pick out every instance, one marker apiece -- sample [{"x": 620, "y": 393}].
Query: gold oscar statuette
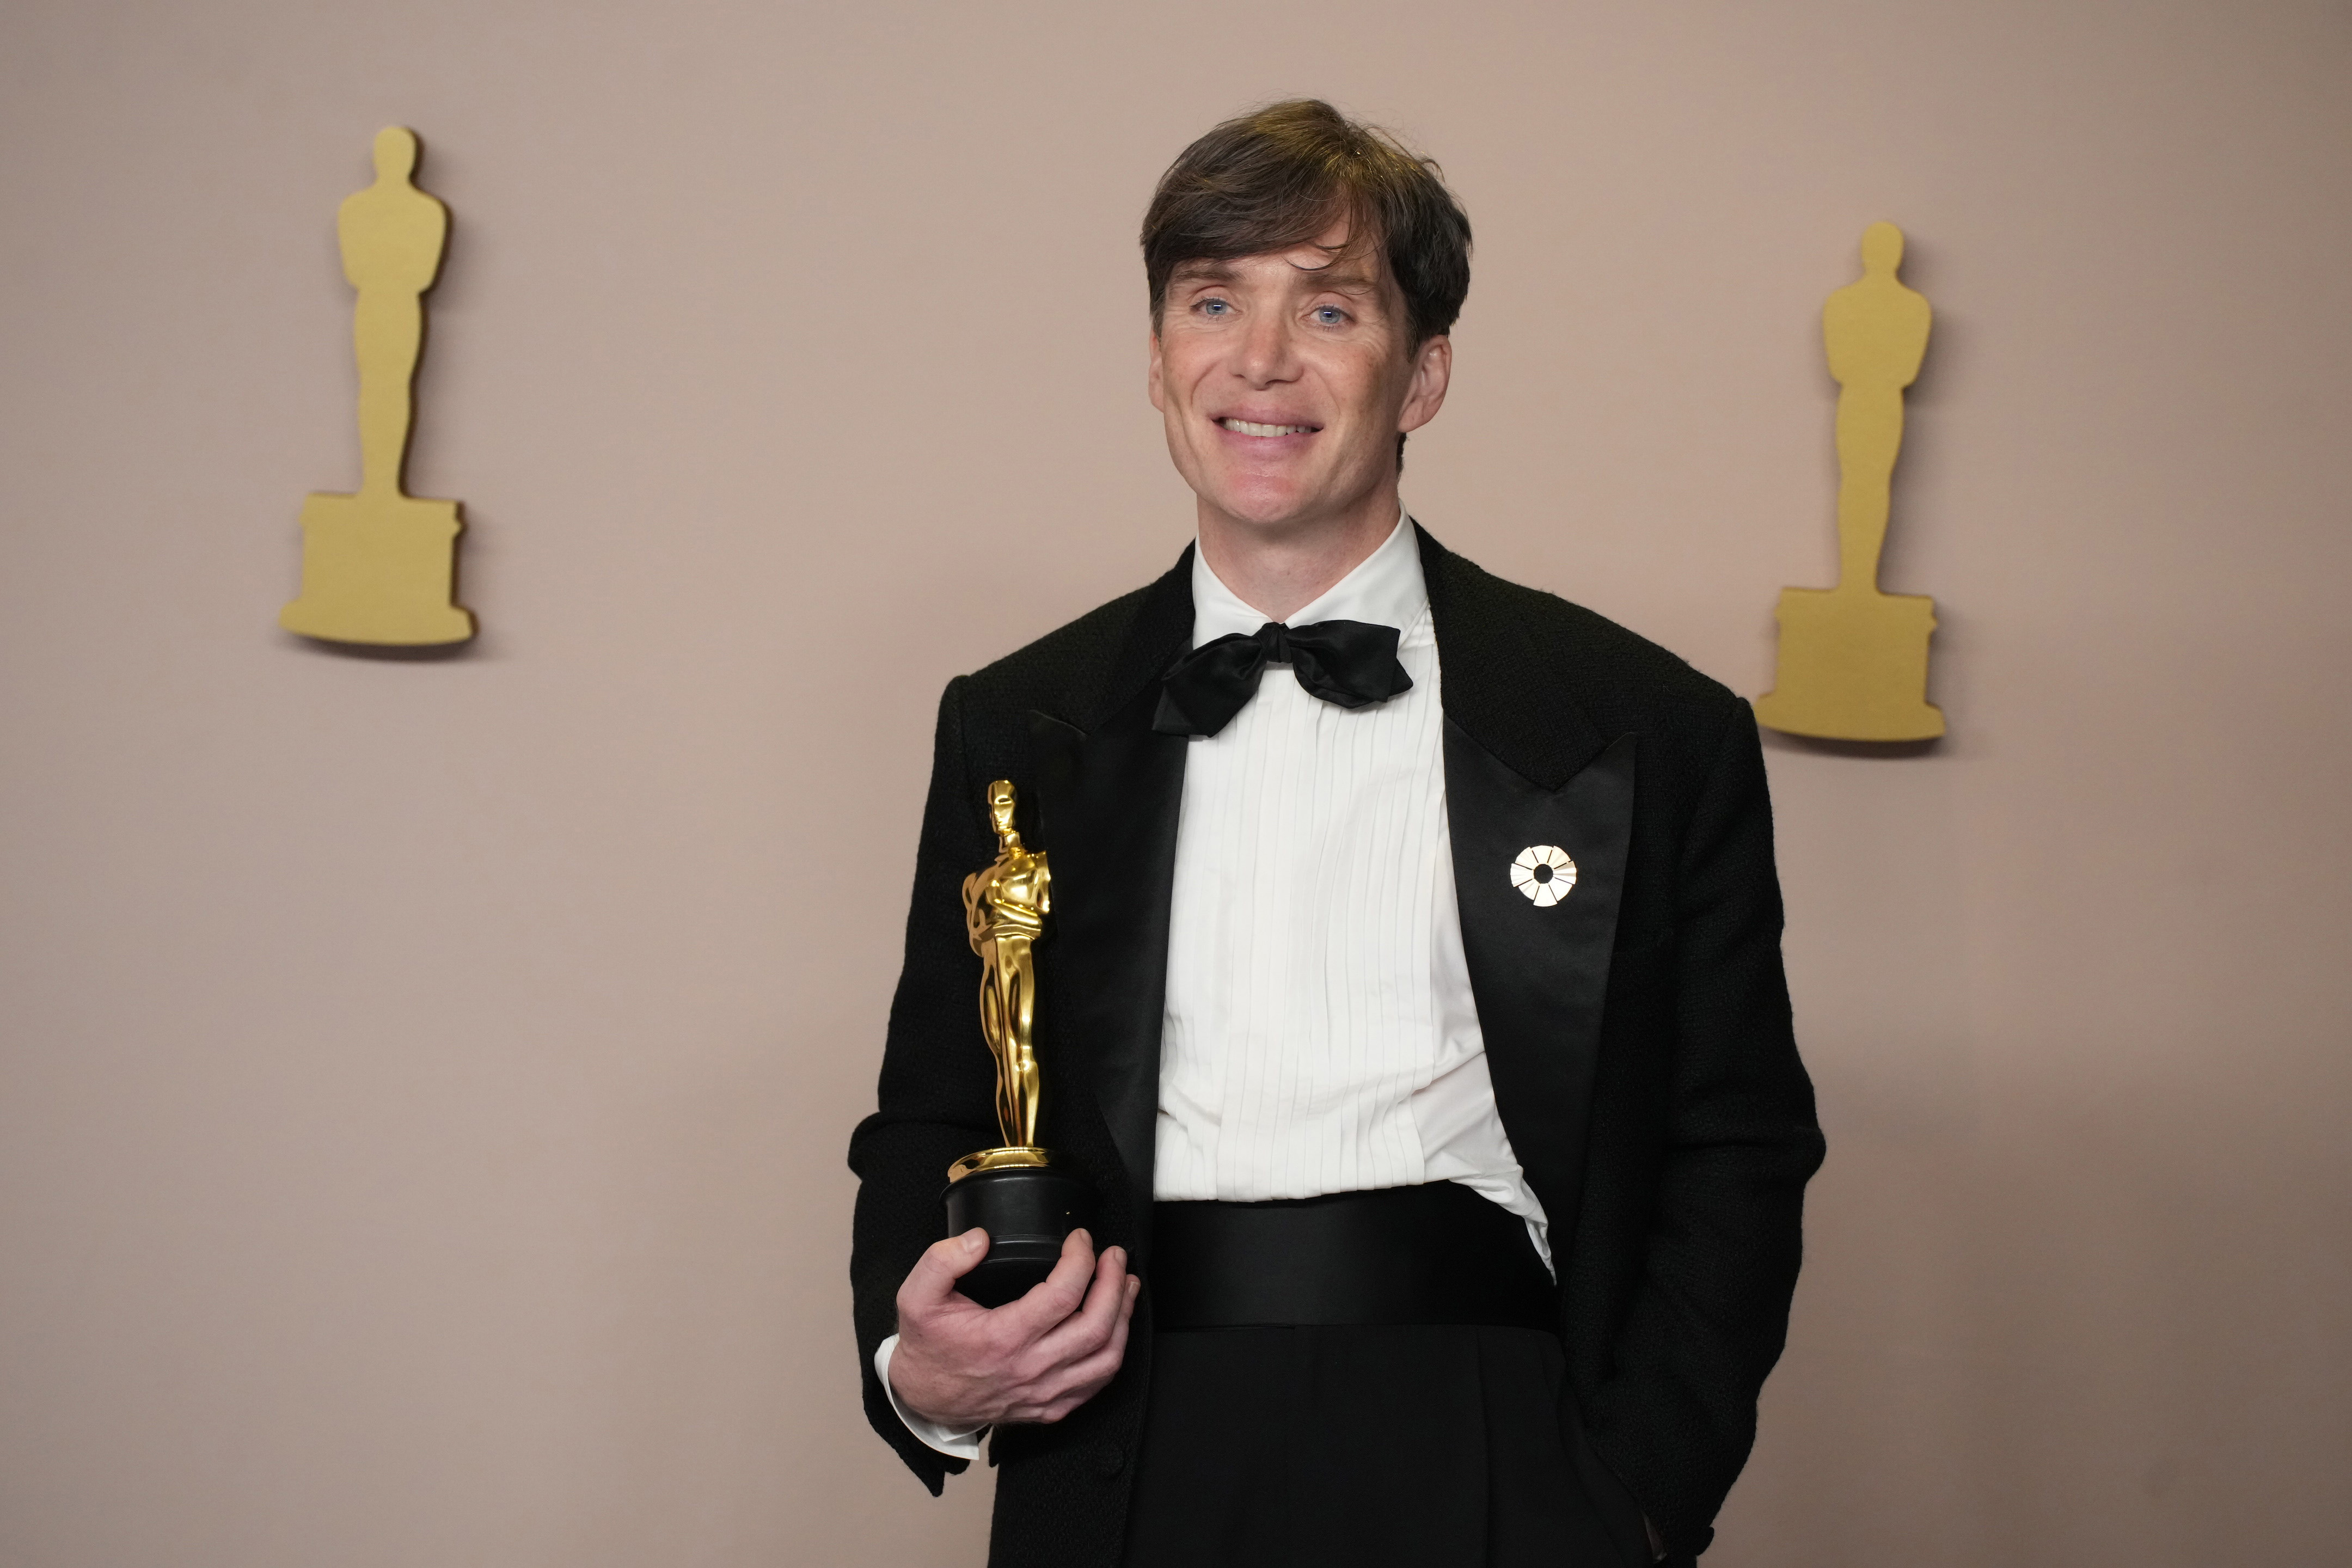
[
  {"x": 1853, "y": 658},
  {"x": 380, "y": 566},
  {"x": 1016, "y": 1191}
]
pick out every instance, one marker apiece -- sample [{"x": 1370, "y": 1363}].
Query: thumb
[{"x": 934, "y": 1276}]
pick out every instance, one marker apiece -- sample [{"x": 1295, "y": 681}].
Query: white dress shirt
[{"x": 1319, "y": 1034}]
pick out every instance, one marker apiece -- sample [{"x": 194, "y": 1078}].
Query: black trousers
[{"x": 1371, "y": 1447}]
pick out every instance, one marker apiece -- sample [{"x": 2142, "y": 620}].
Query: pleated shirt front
[{"x": 1320, "y": 1035}]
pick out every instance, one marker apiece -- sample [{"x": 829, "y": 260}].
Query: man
[{"x": 1422, "y": 1029}]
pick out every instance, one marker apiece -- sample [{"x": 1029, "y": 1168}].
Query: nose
[{"x": 1266, "y": 356}]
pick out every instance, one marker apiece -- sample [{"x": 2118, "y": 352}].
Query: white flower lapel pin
[{"x": 1544, "y": 873}]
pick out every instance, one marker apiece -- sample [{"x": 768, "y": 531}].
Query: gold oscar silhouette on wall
[
  {"x": 380, "y": 566},
  {"x": 1854, "y": 661}
]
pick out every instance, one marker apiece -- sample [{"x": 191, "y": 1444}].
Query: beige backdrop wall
[{"x": 424, "y": 1085}]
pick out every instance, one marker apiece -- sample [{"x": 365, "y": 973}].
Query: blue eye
[
  {"x": 1329, "y": 315},
  {"x": 1213, "y": 307}
]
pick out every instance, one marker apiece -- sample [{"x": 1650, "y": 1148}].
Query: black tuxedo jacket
[{"x": 1637, "y": 1031}]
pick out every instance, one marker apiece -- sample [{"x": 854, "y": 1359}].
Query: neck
[{"x": 1279, "y": 569}]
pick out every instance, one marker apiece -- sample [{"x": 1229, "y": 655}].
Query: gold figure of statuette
[
  {"x": 1006, "y": 904},
  {"x": 1853, "y": 661}
]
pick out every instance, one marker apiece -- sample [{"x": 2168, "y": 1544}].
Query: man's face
[{"x": 1285, "y": 380}]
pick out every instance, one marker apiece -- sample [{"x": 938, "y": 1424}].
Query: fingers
[
  {"x": 933, "y": 1279},
  {"x": 1089, "y": 1329},
  {"x": 1071, "y": 1366},
  {"x": 1052, "y": 1398},
  {"x": 1036, "y": 1359},
  {"x": 1058, "y": 1295},
  {"x": 1097, "y": 1367}
]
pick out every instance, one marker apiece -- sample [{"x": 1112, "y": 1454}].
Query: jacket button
[{"x": 1109, "y": 1460}]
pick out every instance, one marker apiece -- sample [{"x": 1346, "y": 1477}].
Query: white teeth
[{"x": 1244, "y": 427}]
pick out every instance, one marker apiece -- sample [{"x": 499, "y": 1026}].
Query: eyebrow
[
  {"x": 1203, "y": 272},
  {"x": 1344, "y": 278}
]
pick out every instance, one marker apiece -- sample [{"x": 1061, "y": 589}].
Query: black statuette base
[{"x": 1027, "y": 1211}]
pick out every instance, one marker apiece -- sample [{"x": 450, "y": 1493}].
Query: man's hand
[{"x": 1036, "y": 1359}]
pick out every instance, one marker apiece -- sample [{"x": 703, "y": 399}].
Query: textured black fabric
[
  {"x": 1369, "y": 1446},
  {"x": 1680, "y": 1249},
  {"x": 1539, "y": 975},
  {"x": 1437, "y": 1253},
  {"x": 1351, "y": 663}
]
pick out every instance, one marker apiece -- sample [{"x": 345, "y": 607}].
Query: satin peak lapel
[
  {"x": 1108, "y": 790},
  {"x": 1539, "y": 958}
]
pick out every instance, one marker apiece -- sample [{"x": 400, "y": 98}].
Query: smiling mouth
[{"x": 1246, "y": 427}]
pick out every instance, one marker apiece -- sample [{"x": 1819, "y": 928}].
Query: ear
[
  {"x": 1152, "y": 375},
  {"x": 1432, "y": 371}
]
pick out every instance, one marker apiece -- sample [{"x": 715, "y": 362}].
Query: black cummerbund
[{"x": 1431, "y": 1254}]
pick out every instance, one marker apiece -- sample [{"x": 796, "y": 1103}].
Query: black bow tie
[{"x": 1351, "y": 663}]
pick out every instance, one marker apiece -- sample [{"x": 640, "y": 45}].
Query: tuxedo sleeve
[
  {"x": 936, "y": 1096},
  {"x": 1677, "y": 1416}
]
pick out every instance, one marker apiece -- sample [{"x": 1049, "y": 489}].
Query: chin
[{"x": 1266, "y": 504}]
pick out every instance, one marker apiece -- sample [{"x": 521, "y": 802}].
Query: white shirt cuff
[{"x": 955, "y": 1445}]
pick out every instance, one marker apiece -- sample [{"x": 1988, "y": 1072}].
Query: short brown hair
[{"x": 1280, "y": 176}]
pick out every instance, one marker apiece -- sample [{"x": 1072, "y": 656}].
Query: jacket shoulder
[
  {"x": 1061, "y": 672},
  {"x": 1619, "y": 679}
]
